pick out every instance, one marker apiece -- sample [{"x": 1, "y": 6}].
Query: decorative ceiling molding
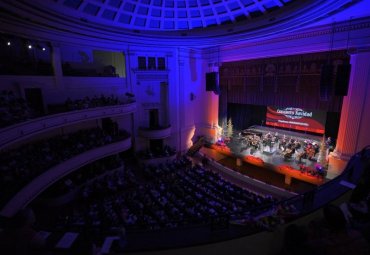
[{"x": 28, "y": 17}]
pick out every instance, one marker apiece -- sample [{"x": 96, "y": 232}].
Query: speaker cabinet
[
  {"x": 212, "y": 82},
  {"x": 342, "y": 80},
  {"x": 326, "y": 81}
]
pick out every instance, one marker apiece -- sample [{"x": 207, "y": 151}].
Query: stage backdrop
[
  {"x": 246, "y": 115},
  {"x": 296, "y": 118}
]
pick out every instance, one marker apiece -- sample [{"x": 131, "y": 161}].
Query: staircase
[{"x": 196, "y": 147}]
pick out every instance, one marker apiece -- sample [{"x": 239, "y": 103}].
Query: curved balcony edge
[
  {"x": 43, "y": 181},
  {"x": 155, "y": 133},
  {"x": 157, "y": 161},
  {"x": 20, "y": 131}
]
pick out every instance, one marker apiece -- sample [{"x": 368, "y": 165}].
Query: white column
[
  {"x": 355, "y": 116},
  {"x": 57, "y": 65}
]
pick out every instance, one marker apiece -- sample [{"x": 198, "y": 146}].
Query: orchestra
[
  {"x": 287, "y": 146},
  {"x": 290, "y": 148}
]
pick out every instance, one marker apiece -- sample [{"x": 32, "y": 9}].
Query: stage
[{"x": 267, "y": 148}]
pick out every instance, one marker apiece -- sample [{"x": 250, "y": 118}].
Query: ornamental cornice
[{"x": 310, "y": 33}]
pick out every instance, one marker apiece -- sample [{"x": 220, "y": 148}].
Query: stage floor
[
  {"x": 335, "y": 166},
  {"x": 272, "y": 158}
]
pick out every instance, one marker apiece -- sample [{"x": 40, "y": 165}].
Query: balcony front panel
[{"x": 152, "y": 133}]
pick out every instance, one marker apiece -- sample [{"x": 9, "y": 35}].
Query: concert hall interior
[{"x": 184, "y": 127}]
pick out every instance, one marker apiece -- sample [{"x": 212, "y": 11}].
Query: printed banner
[{"x": 296, "y": 118}]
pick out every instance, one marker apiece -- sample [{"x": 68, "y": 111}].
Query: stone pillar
[{"x": 355, "y": 115}]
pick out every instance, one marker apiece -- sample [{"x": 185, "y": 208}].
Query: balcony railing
[{"x": 155, "y": 133}]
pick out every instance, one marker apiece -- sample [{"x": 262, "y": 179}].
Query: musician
[
  {"x": 288, "y": 153},
  {"x": 310, "y": 150}
]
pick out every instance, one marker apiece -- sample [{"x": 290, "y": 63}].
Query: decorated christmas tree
[
  {"x": 224, "y": 128},
  {"x": 229, "y": 128},
  {"x": 321, "y": 159}
]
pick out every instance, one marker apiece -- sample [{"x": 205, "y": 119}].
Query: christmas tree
[
  {"x": 223, "y": 128},
  {"x": 230, "y": 128},
  {"x": 321, "y": 159}
]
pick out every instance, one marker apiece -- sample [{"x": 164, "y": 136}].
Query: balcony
[
  {"x": 43, "y": 181},
  {"x": 20, "y": 131},
  {"x": 155, "y": 133}
]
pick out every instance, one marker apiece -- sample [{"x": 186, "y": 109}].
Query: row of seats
[
  {"x": 81, "y": 177},
  {"x": 14, "y": 109},
  {"x": 20, "y": 165},
  {"x": 174, "y": 195},
  {"x": 166, "y": 151}
]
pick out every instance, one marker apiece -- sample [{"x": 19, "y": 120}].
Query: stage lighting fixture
[
  {"x": 29, "y": 46},
  {"x": 43, "y": 49},
  {"x": 8, "y": 43}
]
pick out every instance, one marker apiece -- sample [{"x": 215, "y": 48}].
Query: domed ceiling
[
  {"x": 165, "y": 14},
  {"x": 174, "y": 19}
]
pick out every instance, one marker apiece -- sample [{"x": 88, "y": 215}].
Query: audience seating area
[
  {"x": 114, "y": 197},
  {"x": 106, "y": 168},
  {"x": 166, "y": 151},
  {"x": 14, "y": 109},
  {"x": 20, "y": 165},
  {"x": 87, "y": 102},
  {"x": 168, "y": 196}
]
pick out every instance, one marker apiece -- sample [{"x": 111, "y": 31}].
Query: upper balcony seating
[
  {"x": 15, "y": 110},
  {"x": 20, "y": 165}
]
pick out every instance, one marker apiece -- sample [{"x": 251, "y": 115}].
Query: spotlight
[
  {"x": 29, "y": 46},
  {"x": 8, "y": 43},
  {"x": 43, "y": 49}
]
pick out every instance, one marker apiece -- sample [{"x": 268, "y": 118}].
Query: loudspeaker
[
  {"x": 342, "y": 80},
  {"x": 212, "y": 82},
  {"x": 326, "y": 81}
]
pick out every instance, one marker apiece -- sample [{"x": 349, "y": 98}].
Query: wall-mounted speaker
[
  {"x": 326, "y": 81},
  {"x": 212, "y": 82},
  {"x": 342, "y": 80}
]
